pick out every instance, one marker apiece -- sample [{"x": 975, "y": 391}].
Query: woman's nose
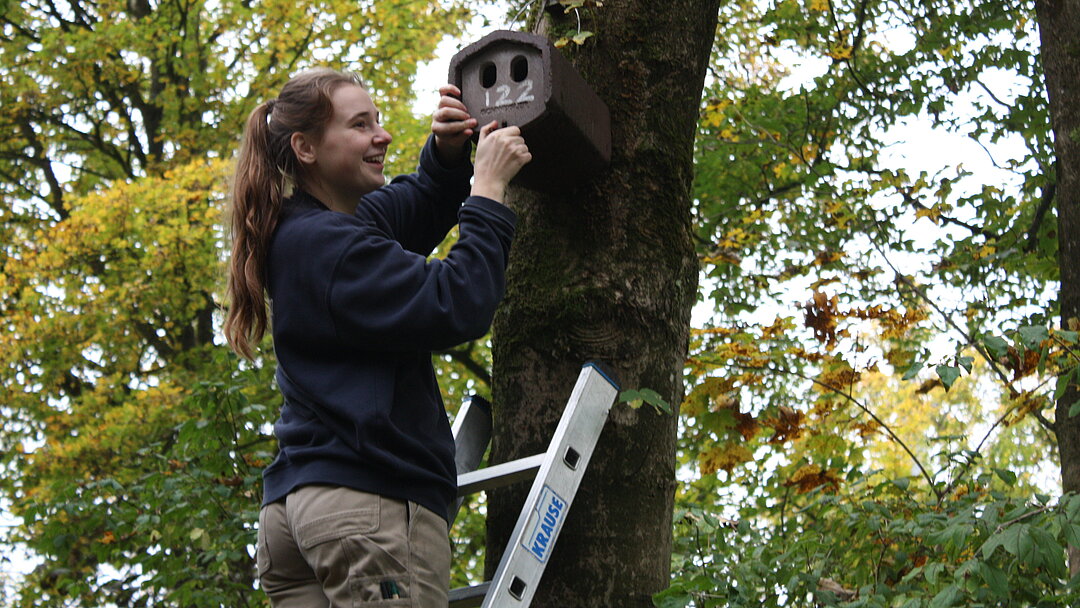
[{"x": 384, "y": 135}]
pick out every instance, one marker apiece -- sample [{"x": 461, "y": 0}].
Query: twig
[
  {"x": 1012, "y": 521},
  {"x": 869, "y": 413}
]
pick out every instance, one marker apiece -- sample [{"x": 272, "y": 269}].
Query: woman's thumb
[{"x": 488, "y": 128}]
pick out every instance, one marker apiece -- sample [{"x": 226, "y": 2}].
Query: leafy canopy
[
  {"x": 128, "y": 451},
  {"x": 866, "y": 423}
]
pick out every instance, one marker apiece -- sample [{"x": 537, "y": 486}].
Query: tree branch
[
  {"x": 866, "y": 410},
  {"x": 463, "y": 357},
  {"x": 1044, "y": 205},
  {"x": 914, "y": 202},
  {"x": 40, "y": 158}
]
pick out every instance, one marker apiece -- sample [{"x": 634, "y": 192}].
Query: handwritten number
[
  {"x": 526, "y": 91},
  {"x": 504, "y": 96},
  {"x": 524, "y": 94}
]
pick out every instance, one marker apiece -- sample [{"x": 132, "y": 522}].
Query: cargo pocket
[
  {"x": 262, "y": 550},
  {"x": 382, "y": 590}
]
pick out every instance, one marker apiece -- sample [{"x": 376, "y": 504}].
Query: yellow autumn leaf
[
  {"x": 840, "y": 51},
  {"x": 723, "y": 457},
  {"x": 934, "y": 213}
]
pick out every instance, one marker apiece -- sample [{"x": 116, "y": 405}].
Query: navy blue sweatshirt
[{"x": 356, "y": 309}]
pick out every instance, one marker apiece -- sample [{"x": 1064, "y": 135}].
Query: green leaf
[
  {"x": 946, "y": 597},
  {"x": 1006, "y": 475},
  {"x": 1010, "y": 539},
  {"x": 672, "y": 598},
  {"x": 912, "y": 371},
  {"x": 948, "y": 375},
  {"x": 965, "y": 362},
  {"x": 998, "y": 347},
  {"x": 932, "y": 571},
  {"x": 999, "y": 539},
  {"x": 1072, "y": 534},
  {"x": 995, "y": 580},
  {"x": 1026, "y": 549},
  {"x": 636, "y": 398},
  {"x": 1048, "y": 553},
  {"x": 1033, "y": 335},
  {"x": 1063, "y": 382},
  {"x": 1068, "y": 336}
]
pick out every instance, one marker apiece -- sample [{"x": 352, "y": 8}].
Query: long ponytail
[{"x": 265, "y": 170}]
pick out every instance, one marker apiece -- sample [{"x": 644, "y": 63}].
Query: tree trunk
[
  {"x": 1059, "y": 26},
  {"x": 608, "y": 272}
]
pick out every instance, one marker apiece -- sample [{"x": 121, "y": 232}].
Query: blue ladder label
[{"x": 549, "y": 514}]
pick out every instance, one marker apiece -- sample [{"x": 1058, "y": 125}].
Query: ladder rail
[
  {"x": 553, "y": 490},
  {"x": 556, "y": 473}
]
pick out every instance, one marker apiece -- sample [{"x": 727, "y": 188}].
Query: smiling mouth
[{"x": 375, "y": 160}]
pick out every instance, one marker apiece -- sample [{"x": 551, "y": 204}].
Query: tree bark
[
  {"x": 608, "y": 272},
  {"x": 1059, "y": 27}
]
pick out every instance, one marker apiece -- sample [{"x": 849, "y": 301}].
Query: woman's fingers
[
  {"x": 451, "y": 120},
  {"x": 449, "y": 90}
]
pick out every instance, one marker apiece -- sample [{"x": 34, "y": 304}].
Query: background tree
[
  {"x": 607, "y": 272},
  {"x": 831, "y": 260},
  {"x": 132, "y": 440}
]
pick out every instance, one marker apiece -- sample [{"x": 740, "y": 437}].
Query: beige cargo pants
[{"x": 326, "y": 546}]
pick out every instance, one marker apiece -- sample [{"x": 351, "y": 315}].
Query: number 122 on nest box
[{"x": 517, "y": 78}]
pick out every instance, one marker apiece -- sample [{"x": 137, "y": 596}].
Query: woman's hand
[
  {"x": 500, "y": 154},
  {"x": 452, "y": 126}
]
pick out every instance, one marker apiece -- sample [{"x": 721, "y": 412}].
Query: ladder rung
[
  {"x": 499, "y": 475},
  {"x": 468, "y": 597}
]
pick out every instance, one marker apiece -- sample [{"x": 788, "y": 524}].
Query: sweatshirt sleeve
[
  {"x": 419, "y": 209},
  {"x": 383, "y": 297}
]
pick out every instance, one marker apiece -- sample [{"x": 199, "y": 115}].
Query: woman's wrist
[
  {"x": 450, "y": 154},
  {"x": 489, "y": 189}
]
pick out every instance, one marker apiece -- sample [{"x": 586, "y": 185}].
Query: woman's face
[{"x": 348, "y": 158}]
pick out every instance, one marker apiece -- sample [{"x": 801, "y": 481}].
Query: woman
[{"x": 356, "y": 503}]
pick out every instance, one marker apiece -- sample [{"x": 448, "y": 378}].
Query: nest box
[{"x": 521, "y": 79}]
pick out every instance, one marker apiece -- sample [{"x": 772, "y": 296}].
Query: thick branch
[{"x": 41, "y": 159}]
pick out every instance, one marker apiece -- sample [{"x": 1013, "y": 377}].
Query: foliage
[
  {"x": 795, "y": 183},
  {"x": 176, "y": 521},
  {"x": 131, "y": 439},
  {"x": 883, "y": 547},
  {"x": 879, "y": 346}
]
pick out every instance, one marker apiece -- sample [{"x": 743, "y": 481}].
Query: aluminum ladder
[{"x": 556, "y": 477}]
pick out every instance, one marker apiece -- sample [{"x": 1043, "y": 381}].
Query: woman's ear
[{"x": 303, "y": 148}]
